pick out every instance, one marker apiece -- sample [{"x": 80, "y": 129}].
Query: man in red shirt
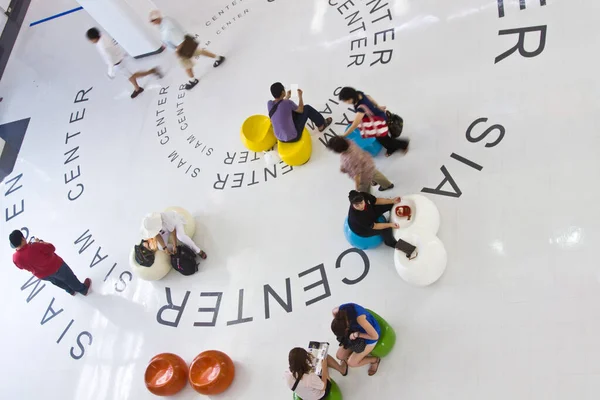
[{"x": 39, "y": 259}]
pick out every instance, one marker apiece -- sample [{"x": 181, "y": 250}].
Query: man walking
[
  {"x": 39, "y": 259},
  {"x": 114, "y": 56},
  {"x": 173, "y": 35}
]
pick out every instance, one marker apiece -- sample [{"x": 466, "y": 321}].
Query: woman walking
[{"x": 365, "y": 107}]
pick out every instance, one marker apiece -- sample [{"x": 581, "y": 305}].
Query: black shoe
[
  {"x": 136, "y": 92},
  {"x": 190, "y": 85},
  {"x": 220, "y": 60},
  {"x": 382, "y": 189}
]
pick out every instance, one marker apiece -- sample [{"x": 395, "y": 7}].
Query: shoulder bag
[{"x": 372, "y": 125}]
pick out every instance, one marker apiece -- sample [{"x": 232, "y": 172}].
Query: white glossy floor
[{"x": 515, "y": 315}]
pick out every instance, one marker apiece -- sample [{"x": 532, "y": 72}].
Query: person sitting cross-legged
[{"x": 289, "y": 118}]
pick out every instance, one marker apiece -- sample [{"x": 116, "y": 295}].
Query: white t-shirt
[
  {"x": 110, "y": 51},
  {"x": 170, "y": 220},
  {"x": 310, "y": 387},
  {"x": 171, "y": 33}
]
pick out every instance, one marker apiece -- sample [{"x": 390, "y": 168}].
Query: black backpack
[
  {"x": 184, "y": 261},
  {"x": 395, "y": 124},
  {"x": 143, "y": 256}
]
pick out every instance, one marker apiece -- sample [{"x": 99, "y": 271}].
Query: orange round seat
[
  {"x": 211, "y": 372},
  {"x": 166, "y": 374}
]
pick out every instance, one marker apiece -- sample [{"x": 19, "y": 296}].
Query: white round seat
[
  {"x": 429, "y": 265},
  {"x": 155, "y": 272},
  {"x": 425, "y": 215}
]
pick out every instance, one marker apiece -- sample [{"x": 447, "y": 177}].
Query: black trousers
[
  {"x": 300, "y": 120},
  {"x": 391, "y": 144},
  {"x": 388, "y": 233}
]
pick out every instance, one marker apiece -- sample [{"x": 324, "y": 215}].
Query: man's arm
[
  {"x": 300, "y": 108},
  {"x": 382, "y": 201},
  {"x": 384, "y": 225},
  {"x": 106, "y": 58}
]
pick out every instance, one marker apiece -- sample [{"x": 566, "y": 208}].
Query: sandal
[
  {"x": 374, "y": 367},
  {"x": 347, "y": 368},
  {"x": 136, "y": 92},
  {"x": 202, "y": 255},
  {"x": 328, "y": 122},
  {"x": 219, "y": 61}
]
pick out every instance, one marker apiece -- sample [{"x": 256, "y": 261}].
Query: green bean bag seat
[
  {"x": 387, "y": 339},
  {"x": 334, "y": 394}
]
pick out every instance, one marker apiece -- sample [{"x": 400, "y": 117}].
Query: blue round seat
[
  {"x": 370, "y": 145},
  {"x": 361, "y": 242}
]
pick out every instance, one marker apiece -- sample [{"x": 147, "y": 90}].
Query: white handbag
[{"x": 272, "y": 157}]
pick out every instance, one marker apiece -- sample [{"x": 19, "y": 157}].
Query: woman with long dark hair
[
  {"x": 357, "y": 331},
  {"x": 362, "y": 103},
  {"x": 304, "y": 382}
]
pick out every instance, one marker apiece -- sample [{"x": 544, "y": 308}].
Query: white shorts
[{"x": 124, "y": 68}]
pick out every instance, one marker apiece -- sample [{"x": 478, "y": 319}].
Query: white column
[
  {"x": 3, "y": 20},
  {"x": 127, "y": 22}
]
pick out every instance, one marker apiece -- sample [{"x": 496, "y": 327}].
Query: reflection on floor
[{"x": 500, "y": 104}]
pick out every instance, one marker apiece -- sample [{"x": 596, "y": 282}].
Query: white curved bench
[{"x": 429, "y": 265}]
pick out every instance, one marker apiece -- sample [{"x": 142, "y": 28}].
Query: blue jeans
[
  {"x": 65, "y": 279},
  {"x": 301, "y": 118}
]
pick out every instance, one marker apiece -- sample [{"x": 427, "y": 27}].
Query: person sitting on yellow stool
[{"x": 288, "y": 119}]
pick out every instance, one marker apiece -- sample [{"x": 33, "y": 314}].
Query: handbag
[
  {"x": 188, "y": 47},
  {"x": 372, "y": 125},
  {"x": 395, "y": 124},
  {"x": 356, "y": 345},
  {"x": 404, "y": 212}
]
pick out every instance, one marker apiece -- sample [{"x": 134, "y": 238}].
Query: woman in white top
[
  {"x": 305, "y": 383},
  {"x": 159, "y": 229}
]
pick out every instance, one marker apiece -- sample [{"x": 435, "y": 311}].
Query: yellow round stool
[
  {"x": 257, "y": 133},
  {"x": 296, "y": 153}
]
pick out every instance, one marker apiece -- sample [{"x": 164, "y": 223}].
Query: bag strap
[
  {"x": 274, "y": 108},
  {"x": 366, "y": 109},
  {"x": 295, "y": 385}
]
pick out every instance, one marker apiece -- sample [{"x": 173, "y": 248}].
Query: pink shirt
[
  {"x": 356, "y": 161},
  {"x": 310, "y": 387}
]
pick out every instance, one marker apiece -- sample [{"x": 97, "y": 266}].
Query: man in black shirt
[{"x": 364, "y": 211}]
